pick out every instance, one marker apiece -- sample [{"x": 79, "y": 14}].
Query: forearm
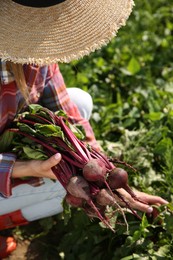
[
  {"x": 21, "y": 169},
  {"x": 36, "y": 168}
]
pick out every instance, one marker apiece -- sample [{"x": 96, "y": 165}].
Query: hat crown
[
  {"x": 33, "y": 31},
  {"x": 38, "y": 3}
]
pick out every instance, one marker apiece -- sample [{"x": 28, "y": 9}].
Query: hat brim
[{"x": 59, "y": 33}]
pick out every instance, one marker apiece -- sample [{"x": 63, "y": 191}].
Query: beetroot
[
  {"x": 95, "y": 170},
  {"x": 73, "y": 201},
  {"x": 79, "y": 188},
  {"x": 89, "y": 177},
  {"x": 103, "y": 198},
  {"x": 118, "y": 178}
]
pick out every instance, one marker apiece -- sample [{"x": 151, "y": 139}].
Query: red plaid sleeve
[{"x": 7, "y": 161}]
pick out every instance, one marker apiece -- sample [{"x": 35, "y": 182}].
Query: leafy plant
[{"x": 131, "y": 82}]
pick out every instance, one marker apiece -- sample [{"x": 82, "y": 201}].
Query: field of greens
[{"x": 131, "y": 82}]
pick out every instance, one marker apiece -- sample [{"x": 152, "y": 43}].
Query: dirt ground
[
  {"x": 27, "y": 250},
  {"x": 31, "y": 246},
  {"x": 21, "y": 253}
]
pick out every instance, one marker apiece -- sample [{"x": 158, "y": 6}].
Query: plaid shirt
[{"x": 46, "y": 87}]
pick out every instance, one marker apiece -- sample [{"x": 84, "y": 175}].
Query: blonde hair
[{"x": 17, "y": 70}]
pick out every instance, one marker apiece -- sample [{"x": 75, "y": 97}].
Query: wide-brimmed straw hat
[{"x": 49, "y": 31}]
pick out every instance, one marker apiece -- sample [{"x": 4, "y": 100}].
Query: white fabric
[
  {"x": 35, "y": 202},
  {"x": 83, "y": 101}
]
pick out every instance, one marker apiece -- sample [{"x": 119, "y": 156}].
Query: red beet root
[
  {"x": 79, "y": 187},
  {"x": 118, "y": 178},
  {"x": 73, "y": 201},
  {"x": 103, "y": 198},
  {"x": 95, "y": 170}
]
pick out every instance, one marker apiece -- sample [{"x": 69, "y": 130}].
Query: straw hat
[{"x": 49, "y": 31}]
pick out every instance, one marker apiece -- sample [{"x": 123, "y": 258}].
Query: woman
[{"x": 34, "y": 36}]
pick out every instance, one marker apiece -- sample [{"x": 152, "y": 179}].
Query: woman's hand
[
  {"x": 36, "y": 168},
  {"x": 147, "y": 198}
]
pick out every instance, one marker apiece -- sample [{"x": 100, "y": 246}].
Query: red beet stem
[
  {"x": 115, "y": 160},
  {"x": 50, "y": 148},
  {"x": 72, "y": 138},
  {"x": 26, "y": 121},
  {"x": 73, "y": 162},
  {"x": 67, "y": 149},
  {"x": 101, "y": 156},
  {"x": 102, "y": 219},
  {"x": 50, "y": 113},
  {"x": 85, "y": 149}
]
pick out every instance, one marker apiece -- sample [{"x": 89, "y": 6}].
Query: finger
[
  {"x": 155, "y": 200},
  {"x": 151, "y": 199},
  {"x": 52, "y": 161},
  {"x": 136, "y": 205}
]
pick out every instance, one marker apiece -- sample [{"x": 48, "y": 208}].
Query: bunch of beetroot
[{"x": 89, "y": 177}]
